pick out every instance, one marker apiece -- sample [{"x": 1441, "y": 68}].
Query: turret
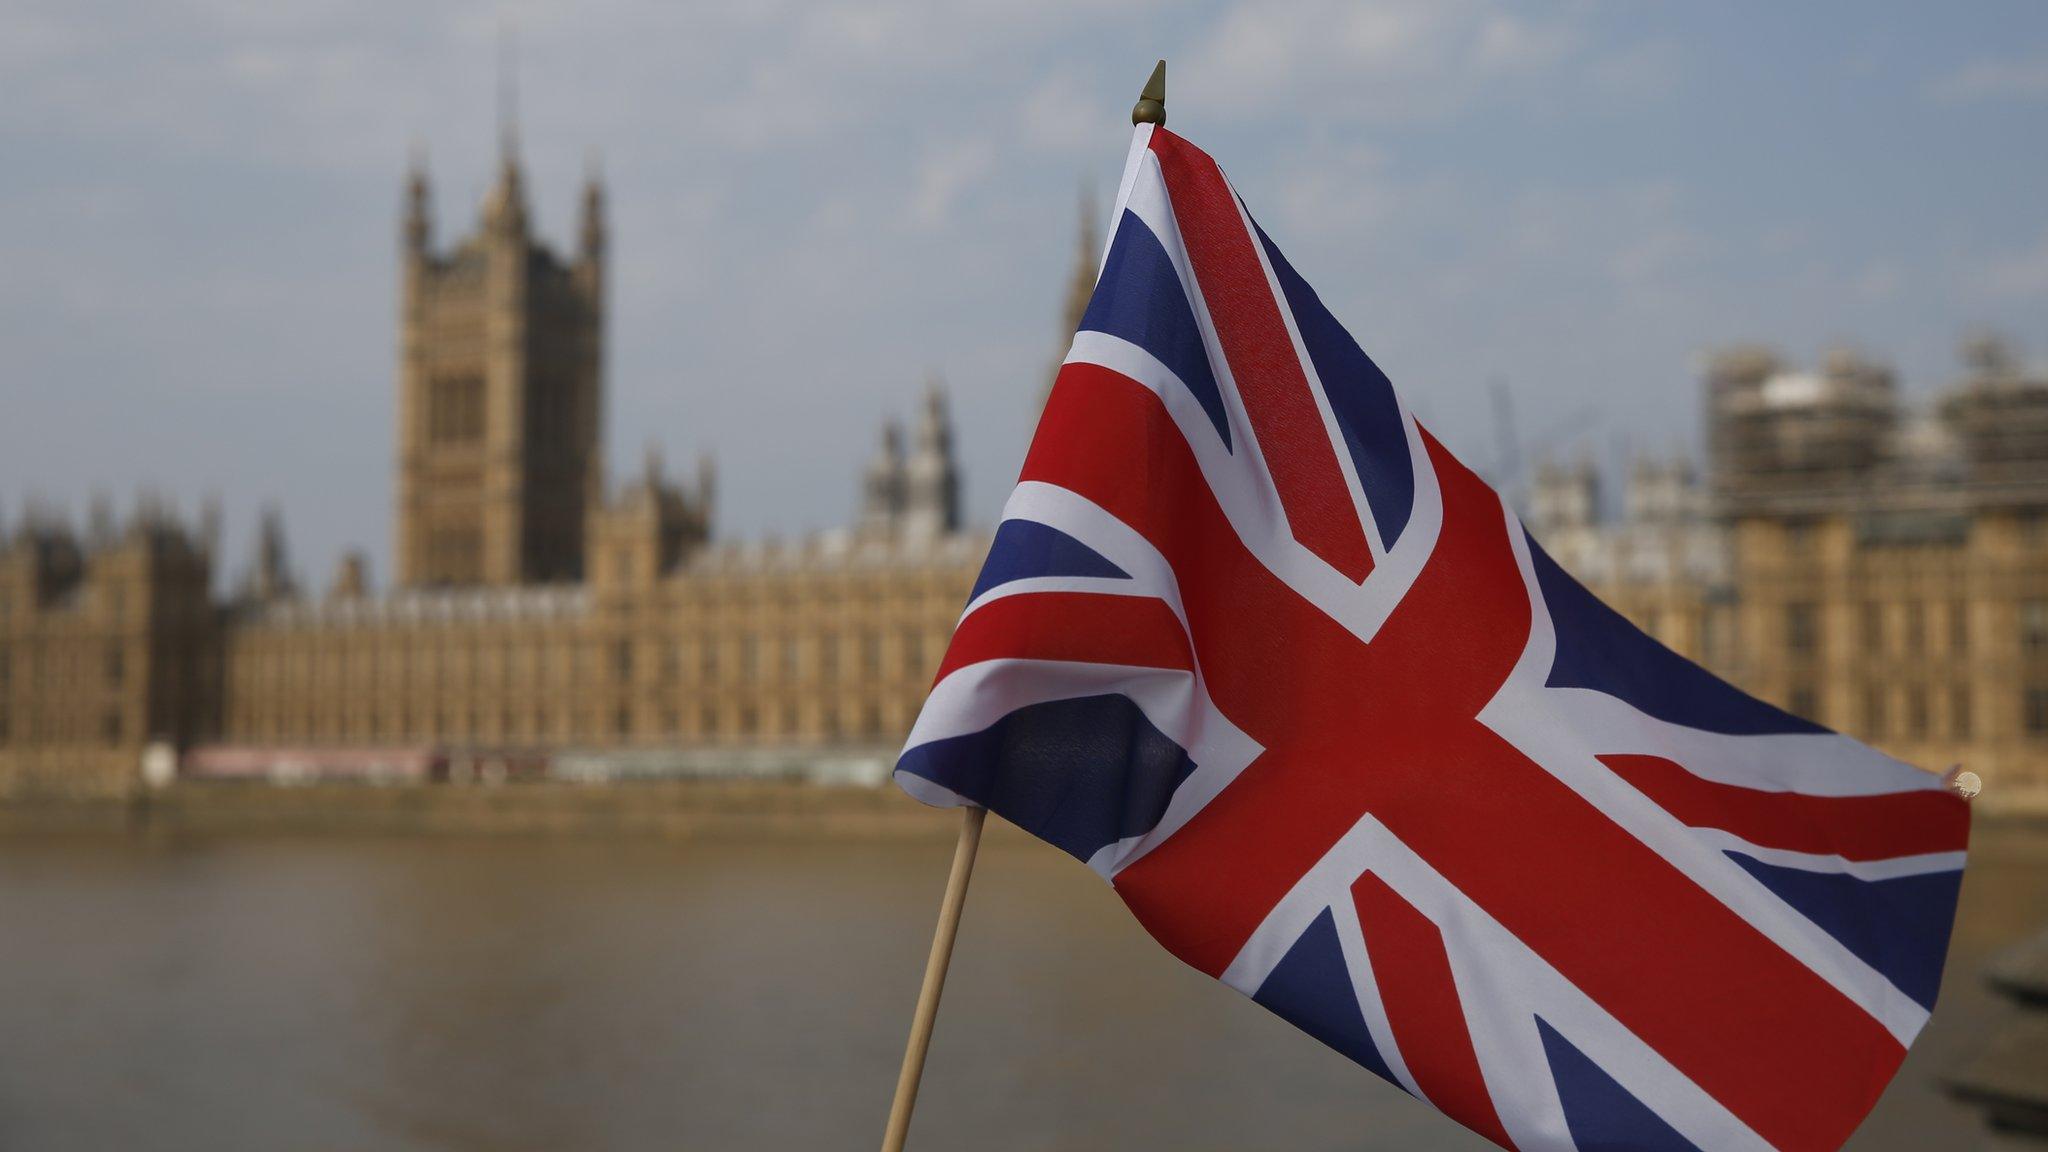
[
  {"x": 419, "y": 221},
  {"x": 931, "y": 481},
  {"x": 270, "y": 576},
  {"x": 351, "y": 576},
  {"x": 649, "y": 528},
  {"x": 1080, "y": 287},
  {"x": 881, "y": 506},
  {"x": 1087, "y": 261},
  {"x": 707, "y": 490},
  {"x": 51, "y": 561},
  {"x": 505, "y": 211},
  {"x": 591, "y": 236}
]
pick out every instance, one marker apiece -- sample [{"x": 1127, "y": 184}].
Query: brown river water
[{"x": 484, "y": 993}]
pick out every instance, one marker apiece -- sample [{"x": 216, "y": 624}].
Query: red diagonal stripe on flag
[
  {"x": 1391, "y": 729},
  {"x": 1413, "y": 973},
  {"x": 1852, "y": 827},
  {"x": 1283, "y": 411}
]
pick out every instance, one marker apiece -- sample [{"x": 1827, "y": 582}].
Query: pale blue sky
[{"x": 815, "y": 207}]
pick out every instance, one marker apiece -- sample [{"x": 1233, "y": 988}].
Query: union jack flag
[{"x": 1251, "y": 643}]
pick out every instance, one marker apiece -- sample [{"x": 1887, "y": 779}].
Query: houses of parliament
[{"x": 1881, "y": 570}]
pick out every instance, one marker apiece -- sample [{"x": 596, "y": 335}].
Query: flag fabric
[{"x": 1261, "y": 652}]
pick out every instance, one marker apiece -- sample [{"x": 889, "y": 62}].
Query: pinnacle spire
[
  {"x": 1087, "y": 262},
  {"x": 418, "y": 210},
  {"x": 931, "y": 478},
  {"x": 508, "y": 95},
  {"x": 508, "y": 199},
  {"x": 1080, "y": 285},
  {"x": 592, "y": 235},
  {"x": 1091, "y": 229}
]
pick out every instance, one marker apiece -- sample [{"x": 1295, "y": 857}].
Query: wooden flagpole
[
  {"x": 1150, "y": 109},
  {"x": 934, "y": 978}
]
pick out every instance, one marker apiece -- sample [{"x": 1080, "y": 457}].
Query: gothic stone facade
[
  {"x": 105, "y": 642},
  {"x": 499, "y": 396},
  {"x": 532, "y": 609},
  {"x": 1883, "y": 572},
  {"x": 827, "y": 643}
]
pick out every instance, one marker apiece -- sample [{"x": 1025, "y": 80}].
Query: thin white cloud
[
  {"x": 1613, "y": 225},
  {"x": 1063, "y": 114},
  {"x": 1656, "y": 256},
  {"x": 1350, "y": 197},
  {"x": 1637, "y": 73},
  {"x": 944, "y": 175},
  {"x": 1391, "y": 61},
  {"x": 1509, "y": 43},
  {"x": 1992, "y": 79}
]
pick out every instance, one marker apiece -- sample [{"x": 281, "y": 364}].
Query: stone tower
[
  {"x": 1087, "y": 256},
  {"x": 500, "y": 393},
  {"x": 882, "y": 486},
  {"x": 931, "y": 478},
  {"x": 270, "y": 574},
  {"x": 1080, "y": 288}
]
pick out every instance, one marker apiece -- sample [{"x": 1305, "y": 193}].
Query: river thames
[{"x": 510, "y": 993}]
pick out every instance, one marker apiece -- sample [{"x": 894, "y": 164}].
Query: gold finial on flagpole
[
  {"x": 1151, "y": 106},
  {"x": 1963, "y": 783}
]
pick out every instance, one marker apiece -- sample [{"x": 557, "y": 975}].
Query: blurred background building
[
  {"x": 1879, "y": 570},
  {"x": 534, "y": 612}
]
